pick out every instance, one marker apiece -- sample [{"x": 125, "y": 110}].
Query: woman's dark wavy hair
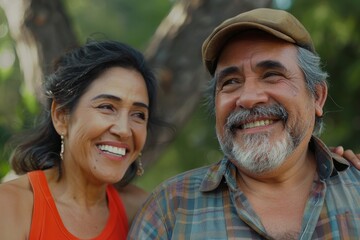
[{"x": 39, "y": 148}]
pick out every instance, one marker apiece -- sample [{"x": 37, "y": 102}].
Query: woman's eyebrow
[
  {"x": 118, "y": 99},
  {"x": 106, "y": 96},
  {"x": 140, "y": 104}
]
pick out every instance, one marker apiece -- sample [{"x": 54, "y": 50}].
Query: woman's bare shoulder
[
  {"x": 16, "y": 203},
  {"x": 133, "y": 198},
  {"x": 16, "y": 189}
]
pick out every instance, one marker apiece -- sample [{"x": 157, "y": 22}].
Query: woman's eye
[
  {"x": 106, "y": 107},
  {"x": 140, "y": 115}
]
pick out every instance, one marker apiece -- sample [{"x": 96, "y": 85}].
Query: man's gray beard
[{"x": 258, "y": 155}]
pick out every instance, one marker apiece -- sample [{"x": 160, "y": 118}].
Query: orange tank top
[{"x": 46, "y": 222}]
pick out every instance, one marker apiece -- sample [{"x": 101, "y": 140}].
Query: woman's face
[{"x": 107, "y": 129}]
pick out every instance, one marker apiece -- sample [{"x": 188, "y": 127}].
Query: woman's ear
[
  {"x": 321, "y": 95},
  {"x": 59, "y": 118}
]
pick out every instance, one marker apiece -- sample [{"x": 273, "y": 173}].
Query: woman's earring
[
  {"x": 140, "y": 169},
  {"x": 62, "y": 147}
]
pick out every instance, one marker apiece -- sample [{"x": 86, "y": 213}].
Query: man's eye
[
  {"x": 230, "y": 82},
  {"x": 271, "y": 74}
]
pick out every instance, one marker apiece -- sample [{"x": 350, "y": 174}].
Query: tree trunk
[
  {"x": 175, "y": 54},
  {"x": 42, "y": 31}
]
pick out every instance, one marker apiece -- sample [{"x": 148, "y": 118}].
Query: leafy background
[{"x": 333, "y": 25}]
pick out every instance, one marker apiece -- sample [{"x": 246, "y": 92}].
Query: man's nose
[{"x": 251, "y": 94}]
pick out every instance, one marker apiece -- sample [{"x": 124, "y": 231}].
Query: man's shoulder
[
  {"x": 350, "y": 175},
  {"x": 183, "y": 184},
  {"x": 190, "y": 178},
  {"x": 346, "y": 180}
]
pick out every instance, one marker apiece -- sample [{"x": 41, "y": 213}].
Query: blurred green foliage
[
  {"x": 18, "y": 108},
  {"x": 195, "y": 146},
  {"x": 333, "y": 24},
  {"x": 133, "y": 22}
]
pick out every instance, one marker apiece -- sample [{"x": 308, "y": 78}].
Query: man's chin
[
  {"x": 260, "y": 156},
  {"x": 254, "y": 166}
]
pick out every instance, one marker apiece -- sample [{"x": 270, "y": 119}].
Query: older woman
[{"x": 99, "y": 107}]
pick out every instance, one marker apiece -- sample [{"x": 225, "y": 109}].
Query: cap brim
[{"x": 216, "y": 42}]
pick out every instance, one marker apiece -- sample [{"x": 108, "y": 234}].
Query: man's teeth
[
  {"x": 257, "y": 124},
  {"x": 112, "y": 149}
]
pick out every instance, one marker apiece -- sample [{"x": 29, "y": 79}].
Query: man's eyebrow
[
  {"x": 226, "y": 72},
  {"x": 271, "y": 64},
  {"x": 118, "y": 99}
]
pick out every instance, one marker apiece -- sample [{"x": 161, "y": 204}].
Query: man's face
[{"x": 264, "y": 111}]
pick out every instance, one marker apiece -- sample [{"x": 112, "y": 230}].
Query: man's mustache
[{"x": 241, "y": 116}]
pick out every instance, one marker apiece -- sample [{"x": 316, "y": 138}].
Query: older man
[{"x": 277, "y": 180}]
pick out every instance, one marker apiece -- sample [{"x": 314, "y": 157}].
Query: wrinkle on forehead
[{"x": 259, "y": 50}]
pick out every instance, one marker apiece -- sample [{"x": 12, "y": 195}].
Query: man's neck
[{"x": 279, "y": 198}]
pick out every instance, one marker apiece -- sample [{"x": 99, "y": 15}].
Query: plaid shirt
[{"x": 205, "y": 203}]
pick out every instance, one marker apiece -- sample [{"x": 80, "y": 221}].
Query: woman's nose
[{"x": 121, "y": 127}]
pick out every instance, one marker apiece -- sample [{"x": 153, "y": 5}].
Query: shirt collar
[
  {"x": 329, "y": 164},
  {"x": 223, "y": 171}
]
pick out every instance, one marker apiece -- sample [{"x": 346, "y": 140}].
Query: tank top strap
[
  {"x": 41, "y": 192},
  {"x": 119, "y": 207}
]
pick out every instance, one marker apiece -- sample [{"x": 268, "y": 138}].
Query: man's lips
[
  {"x": 254, "y": 124},
  {"x": 259, "y": 116}
]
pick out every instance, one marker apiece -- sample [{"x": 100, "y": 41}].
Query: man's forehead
[
  {"x": 257, "y": 53},
  {"x": 254, "y": 38}
]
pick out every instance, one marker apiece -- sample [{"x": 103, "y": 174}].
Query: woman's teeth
[{"x": 112, "y": 149}]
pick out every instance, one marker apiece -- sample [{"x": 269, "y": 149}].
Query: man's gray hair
[{"x": 310, "y": 64}]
